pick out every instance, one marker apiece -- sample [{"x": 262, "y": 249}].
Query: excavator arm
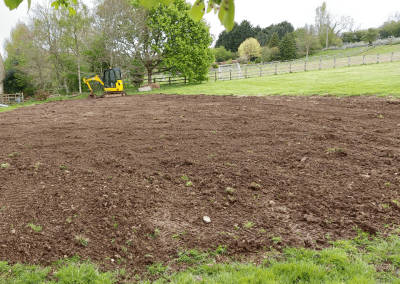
[{"x": 93, "y": 78}]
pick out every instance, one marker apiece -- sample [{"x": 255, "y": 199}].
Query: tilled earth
[{"x": 134, "y": 176}]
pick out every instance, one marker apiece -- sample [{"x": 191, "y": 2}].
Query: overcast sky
[{"x": 259, "y": 12}]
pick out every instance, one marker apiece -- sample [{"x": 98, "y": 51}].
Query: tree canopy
[{"x": 225, "y": 9}]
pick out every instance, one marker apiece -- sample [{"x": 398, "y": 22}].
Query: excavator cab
[{"x": 112, "y": 79}]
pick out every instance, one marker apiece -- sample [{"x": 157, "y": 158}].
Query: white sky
[{"x": 258, "y": 12}]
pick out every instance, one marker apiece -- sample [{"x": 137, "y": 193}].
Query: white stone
[
  {"x": 145, "y": 89},
  {"x": 206, "y": 219}
]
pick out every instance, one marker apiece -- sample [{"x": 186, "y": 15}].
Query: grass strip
[{"x": 364, "y": 259}]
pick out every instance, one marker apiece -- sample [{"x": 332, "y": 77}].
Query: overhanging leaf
[
  {"x": 197, "y": 11},
  {"x": 149, "y": 3},
  {"x": 168, "y": 2},
  {"x": 229, "y": 16},
  {"x": 12, "y": 4}
]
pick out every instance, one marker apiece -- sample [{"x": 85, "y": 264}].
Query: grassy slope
[
  {"x": 364, "y": 259},
  {"x": 375, "y": 79},
  {"x": 382, "y": 49},
  {"x": 335, "y": 52}
]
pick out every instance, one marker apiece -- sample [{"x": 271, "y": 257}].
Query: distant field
[
  {"x": 336, "y": 52},
  {"x": 376, "y": 79}
]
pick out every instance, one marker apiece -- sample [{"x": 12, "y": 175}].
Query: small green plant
[
  {"x": 5, "y": 166},
  {"x": 129, "y": 242},
  {"x": 3, "y": 208},
  {"x": 34, "y": 227},
  {"x": 69, "y": 220},
  {"x": 184, "y": 177},
  {"x": 213, "y": 132},
  {"x": 15, "y": 154},
  {"x": 156, "y": 233},
  {"x": 161, "y": 136},
  {"x": 248, "y": 225},
  {"x": 82, "y": 240},
  {"x": 189, "y": 184},
  {"x": 387, "y": 184},
  {"x": 124, "y": 249},
  {"x": 380, "y": 116},
  {"x": 230, "y": 165},
  {"x": 276, "y": 240},
  {"x": 230, "y": 190},
  {"x": 115, "y": 225},
  {"x": 112, "y": 241},
  {"x": 385, "y": 206},
  {"x": 395, "y": 201},
  {"x": 255, "y": 185},
  {"x": 157, "y": 268},
  {"x": 61, "y": 167}
]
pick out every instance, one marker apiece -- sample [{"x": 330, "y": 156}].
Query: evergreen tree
[
  {"x": 274, "y": 42},
  {"x": 287, "y": 47}
]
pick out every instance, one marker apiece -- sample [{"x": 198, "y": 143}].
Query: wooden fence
[
  {"x": 291, "y": 67},
  {"x": 10, "y": 99}
]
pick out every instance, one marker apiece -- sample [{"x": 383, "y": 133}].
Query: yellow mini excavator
[{"x": 111, "y": 82}]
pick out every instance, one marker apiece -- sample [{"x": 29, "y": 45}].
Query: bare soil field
[{"x": 127, "y": 181}]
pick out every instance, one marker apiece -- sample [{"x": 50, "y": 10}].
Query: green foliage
[
  {"x": 287, "y": 47},
  {"x": 355, "y": 36},
  {"x": 232, "y": 40},
  {"x": 190, "y": 56},
  {"x": 221, "y": 54},
  {"x": 274, "y": 41},
  {"x": 370, "y": 35},
  {"x": 390, "y": 28},
  {"x": 250, "y": 48},
  {"x": 83, "y": 273}
]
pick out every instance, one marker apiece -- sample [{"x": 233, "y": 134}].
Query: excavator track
[{"x": 113, "y": 94}]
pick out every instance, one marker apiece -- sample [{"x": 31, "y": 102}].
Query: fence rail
[
  {"x": 10, "y": 99},
  {"x": 291, "y": 67}
]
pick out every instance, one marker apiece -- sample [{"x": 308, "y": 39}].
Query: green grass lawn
[
  {"x": 336, "y": 52},
  {"x": 375, "y": 79},
  {"x": 382, "y": 49},
  {"x": 365, "y": 259}
]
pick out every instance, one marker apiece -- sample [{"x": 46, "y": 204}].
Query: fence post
[
  {"x": 334, "y": 62},
  {"x": 215, "y": 76},
  {"x": 290, "y": 68},
  {"x": 320, "y": 62},
  {"x": 230, "y": 74},
  {"x": 349, "y": 61},
  {"x": 245, "y": 73},
  {"x": 169, "y": 79},
  {"x": 377, "y": 58},
  {"x": 391, "y": 58},
  {"x": 260, "y": 71},
  {"x": 276, "y": 67},
  {"x": 305, "y": 65},
  {"x": 363, "y": 59}
]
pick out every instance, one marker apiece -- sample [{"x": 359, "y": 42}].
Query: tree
[
  {"x": 233, "y": 39},
  {"x": 2, "y": 75},
  {"x": 162, "y": 42},
  {"x": 287, "y": 47},
  {"x": 221, "y": 54},
  {"x": 370, "y": 35},
  {"x": 274, "y": 41},
  {"x": 76, "y": 27},
  {"x": 250, "y": 48},
  {"x": 307, "y": 40}
]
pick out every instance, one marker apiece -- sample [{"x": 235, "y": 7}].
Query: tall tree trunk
[
  {"x": 327, "y": 29},
  {"x": 307, "y": 53},
  {"x": 79, "y": 76},
  {"x": 2, "y": 75},
  {"x": 149, "y": 74}
]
